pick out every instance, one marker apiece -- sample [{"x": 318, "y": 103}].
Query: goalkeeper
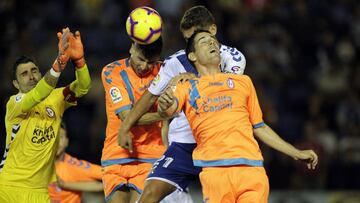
[{"x": 33, "y": 118}]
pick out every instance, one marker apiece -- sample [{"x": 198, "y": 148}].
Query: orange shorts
[
  {"x": 131, "y": 175},
  {"x": 243, "y": 184}
]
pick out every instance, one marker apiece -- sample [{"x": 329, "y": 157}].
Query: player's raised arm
[{"x": 82, "y": 84}]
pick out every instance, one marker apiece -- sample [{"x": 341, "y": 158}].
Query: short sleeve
[
  {"x": 166, "y": 73},
  {"x": 91, "y": 171},
  {"x": 116, "y": 93},
  {"x": 232, "y": 60},
  {"x": 254, "y": 106}
]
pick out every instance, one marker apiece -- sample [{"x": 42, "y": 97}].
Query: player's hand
[
  {"x": 166, "y": 100},
  {"x": 310, "y": 157},
  {"x": 182, "y": 77},
  {"x": 125, "y": 140},
  {"x": 77, "y": 50},
  {"x": 63, "y": 52}
]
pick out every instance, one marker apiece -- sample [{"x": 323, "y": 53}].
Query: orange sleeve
[
  {"x": 254, "y": 106},
  {"x": 180, "y": 95},
  {"x": 115, "y": 92},
  {"x": 92, "y": 171}
]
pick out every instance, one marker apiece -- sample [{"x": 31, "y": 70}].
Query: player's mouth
[
  {"x": 214, "y": 50},
  {"x": 33, "y": 83}
]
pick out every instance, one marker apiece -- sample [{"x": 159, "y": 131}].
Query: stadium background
[{"x": 302, "y": 55}]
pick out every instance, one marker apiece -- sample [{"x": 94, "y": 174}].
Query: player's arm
[
  {"x": 84, "y": 186},
  {"x": 49, "y": 81},
  {"x": 165, "y": 132},
  {"x": 149, "y": 97},
  {"x": 145, "y": 119},
  {"x": 272, "y": 139},
  {"x": 82, "y": 84},
  {"x": 173, "y": 100},
  {"x": 167, "y": 104},
  {"x": 268, "y": 136},
  {"x": 138, "y": 114}
]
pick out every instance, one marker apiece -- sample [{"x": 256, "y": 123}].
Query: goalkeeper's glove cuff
[
  {"x": 58, "y": 65},
  {"x": 79, "y": 63}
]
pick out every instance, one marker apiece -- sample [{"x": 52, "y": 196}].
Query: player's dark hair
[
  {"x": 21, "y": 60},
  {"x": 152, "y": 50},
  {"x": 190, "y": 45},
  {"x": 198, "y": 16}
]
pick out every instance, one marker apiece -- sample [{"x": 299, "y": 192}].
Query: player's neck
[{"x": 209, "y": 69}]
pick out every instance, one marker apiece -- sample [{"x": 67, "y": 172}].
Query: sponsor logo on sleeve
[
  {"x": 235, "y": 69},
  {"x": 50, "y": 112},
  {"x": 115, "y": 95},
  {"x": 156, "y": 80},
  {"x": 18, "y": 98}
]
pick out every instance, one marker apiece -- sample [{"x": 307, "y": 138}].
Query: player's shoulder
[
  {"x": 242, "y": 78},
  {"x": 15, "y": 98},
  {"x": 175, "y": 58},
  {"x": 115, "y": 66}
]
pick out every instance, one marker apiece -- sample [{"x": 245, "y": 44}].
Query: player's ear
[
  {"x": 16, "y": 84},
  {"x": 192, "y": 56},
  {"x": 213, "y": 29},
  {"x": 132, "y": 48}
]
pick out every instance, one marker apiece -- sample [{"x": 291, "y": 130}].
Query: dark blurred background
[{"x": 302, "y": 55}]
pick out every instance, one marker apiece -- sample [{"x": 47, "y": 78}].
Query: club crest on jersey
[
  {"x": 18, "y": 98},
  {"x": 156, "y": 80},
  {"x": 50, "y": 112},
  {"x": 115, "y": 95},
  {"x": 230, "y": 83}
]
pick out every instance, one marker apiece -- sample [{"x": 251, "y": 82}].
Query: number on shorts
[{"x": 168, "y": 161}]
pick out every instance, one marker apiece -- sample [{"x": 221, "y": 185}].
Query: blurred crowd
[{"x": 302, "y": 55}]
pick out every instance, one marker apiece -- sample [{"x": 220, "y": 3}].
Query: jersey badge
[
  {"x": 230, "y": 83},
  {"x": 115, "y": 95},
  {"x": 50, "y": 112}
]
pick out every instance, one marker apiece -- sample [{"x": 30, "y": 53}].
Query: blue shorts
[{"x": 176, "y": 166}]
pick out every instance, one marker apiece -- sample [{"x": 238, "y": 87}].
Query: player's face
[
  {"x": 63, "y": 141},
  {"x": 27, "y": 76},
  {"x": 140, "y": 64},
  {"x": 207, "y": 49}
]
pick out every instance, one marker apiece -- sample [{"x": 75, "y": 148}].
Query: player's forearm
[
  {"x": 40, "y": 92},
  {"x": 272, "y": 139},
  {"x": 86, "y": 186},
  {"x": 149, "y": 118},
  {"x": 168, "y": 112},
  {"x": 165, "y": 132},
  {"x": 82, "y": 83},
  {"x": 140, "y": 108}
]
